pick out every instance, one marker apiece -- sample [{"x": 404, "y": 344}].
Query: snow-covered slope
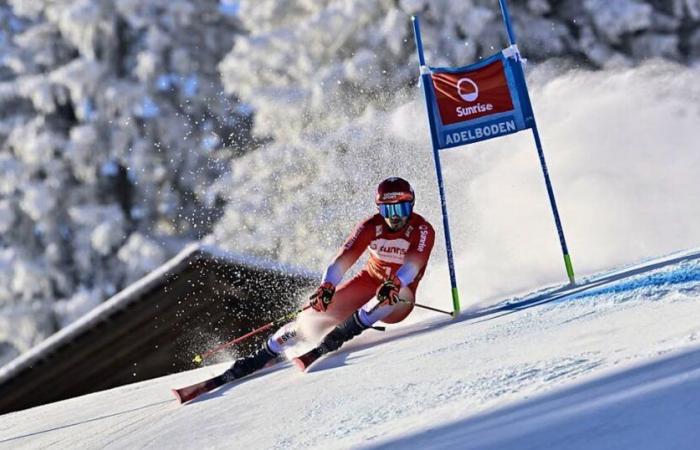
[{"x": 611, "y": 363}]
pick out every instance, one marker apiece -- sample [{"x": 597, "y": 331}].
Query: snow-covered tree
[
  {"x": 122, "y": 133},
  {"x": 113, "y": 123},
  {"x": 325, "y": 79}
]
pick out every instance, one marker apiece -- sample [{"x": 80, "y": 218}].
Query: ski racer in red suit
[{"x": 399, "y": 243}]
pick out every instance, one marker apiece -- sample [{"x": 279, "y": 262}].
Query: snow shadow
[
  {"x": 221, "y": 391},
  {"x": 650, "y": 406},
  {"x": 371, "y": 339},
  {"x": 626, "y": 280},
  {"x": 82, "y": 422}
]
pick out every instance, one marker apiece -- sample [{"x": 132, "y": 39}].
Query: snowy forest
[{"x": 130, "y": 128}]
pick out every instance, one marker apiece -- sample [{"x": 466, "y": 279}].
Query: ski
[
  {"x": 307, "y": 359},
  {"x": 187, "y": 393}
]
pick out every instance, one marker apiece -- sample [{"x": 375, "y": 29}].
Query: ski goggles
[{"x": 402, "y": 209}]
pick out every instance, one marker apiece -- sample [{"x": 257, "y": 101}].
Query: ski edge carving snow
[
  {"x": 187, "y": 393},
  {"x": 303, "y": 362}
]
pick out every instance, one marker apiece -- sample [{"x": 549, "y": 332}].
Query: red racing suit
[{"x": 403, "y": 253}]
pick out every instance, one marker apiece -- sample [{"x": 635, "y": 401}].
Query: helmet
[{"x": 395, "y": 197}]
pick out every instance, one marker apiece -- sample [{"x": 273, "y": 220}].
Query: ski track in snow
[{"x": 432, "y": 382}]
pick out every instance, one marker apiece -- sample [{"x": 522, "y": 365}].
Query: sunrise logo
[{"x": 467, "y": 89}]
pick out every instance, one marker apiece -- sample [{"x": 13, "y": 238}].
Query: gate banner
[{"x": 480, "y": 101}]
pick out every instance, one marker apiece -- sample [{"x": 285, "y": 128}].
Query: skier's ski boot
[
  {"x": 251, "y": 363},
  {"x": 339, "y": 335},
  {"x": 351, "y": 327}
]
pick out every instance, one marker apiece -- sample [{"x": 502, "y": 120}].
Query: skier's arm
[
  {"x": 417, "y": 255},
  {"x": 353, "y": 248}
]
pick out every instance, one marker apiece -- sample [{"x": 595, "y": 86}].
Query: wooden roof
[{"x": 200, "y": 298}]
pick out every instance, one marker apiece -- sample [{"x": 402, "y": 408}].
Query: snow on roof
[{"x": 135, "y": 292}]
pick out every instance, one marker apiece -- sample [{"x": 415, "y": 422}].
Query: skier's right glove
[
  {"x": 322, "y": 297},
  {"x": 388, "y": 292}
]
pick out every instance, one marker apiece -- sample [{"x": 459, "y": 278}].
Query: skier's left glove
[
  {"x": 388, "y": 292},
  {"x": 322, "y": 297}
]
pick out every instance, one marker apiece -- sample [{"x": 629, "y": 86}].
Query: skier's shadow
[
  {"x": 337, "y": 360},
  {"x": 348, "y": 355},
  {"x": 221, "y": 391}
]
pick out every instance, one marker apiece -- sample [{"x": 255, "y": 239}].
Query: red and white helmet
[{"x": 395, "y": 196}]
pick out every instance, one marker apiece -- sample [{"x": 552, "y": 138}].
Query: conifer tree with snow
[
  {"x": 330, "y": 82},
  {"x": 129, "y": 127},
  {"x": 113, "y": 123}
]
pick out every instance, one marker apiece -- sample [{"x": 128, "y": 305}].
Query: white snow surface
[{"x": 613, "y": 362}]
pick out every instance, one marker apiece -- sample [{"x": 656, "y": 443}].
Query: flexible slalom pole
[
  {"x": 507, "y": 22},
  {"x": 543, "y": 163},
  {"x": 555, "y": 210},
  {"x": 199, "y": 358},
  {"x": 425, "y": 80}
]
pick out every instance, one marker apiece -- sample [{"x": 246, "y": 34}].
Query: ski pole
[
  {"x": 199, "y": 358},
  {"x": 430, "y": 308}
]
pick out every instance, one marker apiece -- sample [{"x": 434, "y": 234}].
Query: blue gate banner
[{"x": 479, "y": 101}]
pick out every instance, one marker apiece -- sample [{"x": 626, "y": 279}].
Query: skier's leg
[
  {"x": 408, "y": 294},
  {"x": 343, "y": 332},
  {"x": 313, "y": 325},
  {"x": 365, "y": 317},
  {"x": 271, "y": 349},
  {"x": 373, "y": 311},
  {"x": 283, "y": 337},
  {"x": 360, "y": 320},
  {"x": 342, "y": 312},
  {"x": 251, "y": 363},
  {"x": 348, "y": 298}
]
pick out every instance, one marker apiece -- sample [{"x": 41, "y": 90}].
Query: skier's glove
[
  {"x": 322, "y": 297},
  {"x": 388, "y": 292}
]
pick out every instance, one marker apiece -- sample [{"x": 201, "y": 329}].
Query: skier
[{"x": 399, "y": 242}]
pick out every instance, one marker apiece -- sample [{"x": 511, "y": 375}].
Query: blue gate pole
[
  {"x": 555, "y": 210},
  {"x": 543, "y": 163},
  {"x": 425, "y": 80}
]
